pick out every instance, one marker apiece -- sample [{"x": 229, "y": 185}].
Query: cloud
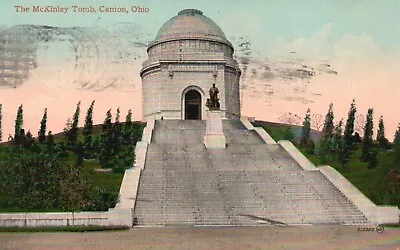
[
  {"x": 317, "y": 47},
  {"x": 82, "y": 58}
]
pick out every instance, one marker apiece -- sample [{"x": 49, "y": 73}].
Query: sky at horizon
[{"x": 294, "y": 55}]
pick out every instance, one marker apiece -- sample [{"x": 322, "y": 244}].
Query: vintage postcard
[{"x": 228, "y": 113}]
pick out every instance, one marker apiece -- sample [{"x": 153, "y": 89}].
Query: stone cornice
[
  {"x": 201, "y": 38},
  {"x": 192, "y": 66}
]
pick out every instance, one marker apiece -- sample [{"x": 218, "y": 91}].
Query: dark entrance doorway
[{"x": 192, "y": 105}]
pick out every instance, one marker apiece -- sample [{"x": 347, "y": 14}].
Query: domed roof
[{"x": 190, "y": 24}]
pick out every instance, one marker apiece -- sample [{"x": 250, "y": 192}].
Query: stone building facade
[{"x": 189, "y": 54}]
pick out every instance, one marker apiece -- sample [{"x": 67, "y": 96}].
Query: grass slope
[
  {"x": 103, "y": 179},
  {"x": 371, "y": 182}
]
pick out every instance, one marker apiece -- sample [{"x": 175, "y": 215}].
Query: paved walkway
[{"x": 311, "y": 237}]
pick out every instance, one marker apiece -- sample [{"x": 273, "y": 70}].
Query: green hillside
[
  {"x": 60, "y": 176},
  {"x": 373, "y": 182}
]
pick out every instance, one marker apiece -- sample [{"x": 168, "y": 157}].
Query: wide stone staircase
[{"x": 247, "y": 183}]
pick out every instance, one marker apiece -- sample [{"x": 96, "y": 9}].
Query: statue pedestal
[{"x": 214, "y": 137}]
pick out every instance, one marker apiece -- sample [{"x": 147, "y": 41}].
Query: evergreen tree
[
  {"x": 79, "y": 151},
  {"x": 88, "y": 127},
  {"x": 328, "y": 127},
  {"x": 50, "y": 138},
  {"x": 372, "y": 157},
  {"x": 305, "y": 132},
  {"x": 347, "y": 148},
  {"x": 107, "y": 148},
  {"x": 117, "y": 131},
  {"x": 337, "y": 137},
  {"x": 1, "y": 118},
  {"x": 396, "y": 139},
  {"x": 42, "y": 131},
  {"x": 87, "y": 132},
  {"x": 128, "y": 127},
  {"x": 19, "y": 121},
  {"x": 380, "y": 136},
  {"x": 329, "y": 148},
  {"x": 73, "y": 132},
  {"x": 356, "y": 138},
  {"x": 107, "y": 124},
  {"x": 396, "y": 147},
  {"x": 368, "y": 132},
  {"x": 117, "y": 115},
  {"x": 29, "y": 139}
]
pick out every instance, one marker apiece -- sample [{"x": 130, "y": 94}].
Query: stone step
[{"x": 184, "y": 183}]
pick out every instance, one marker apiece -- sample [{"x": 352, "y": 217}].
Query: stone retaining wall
[
  {"x": 375, "y": 214},
  {"x": 54, "y": 219},
  {"x": 303, "y": 161},
  {"x": 260, "y": 131}
]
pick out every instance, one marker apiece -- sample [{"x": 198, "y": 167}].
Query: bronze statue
[{"x": 213, "y": 102}]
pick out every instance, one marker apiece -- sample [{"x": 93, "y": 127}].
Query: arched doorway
[{"x": 192, "y": 105}]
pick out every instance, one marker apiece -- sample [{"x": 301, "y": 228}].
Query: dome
[{"x": 190, "y": 24}]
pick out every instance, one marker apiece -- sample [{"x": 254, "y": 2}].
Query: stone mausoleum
[
  {"x": 188, "y": 56},
  {"x": 194, "y": 168}
]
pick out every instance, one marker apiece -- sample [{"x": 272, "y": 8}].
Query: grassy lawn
[
  {"x": 108, "y": 180},
  {"x": 103, "y": 180}
]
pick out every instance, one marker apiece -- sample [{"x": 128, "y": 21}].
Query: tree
[
  {"x": 359, "y": 123},
  {"x": 1, "y": 118},
  {"x": 396, "y": 139},
  {"x": 347, "y": 148},
  {"x": 107, "y": 124},
  {"x": 367, "y": 138},
  {"x": 337, "y": 137},
  {"x": 305, "y": 131},
  {"x": 117, "y": 116},
  {"x": 107, "y": 148},
  {"x": 88, "y": 127},
  {"x": 356, "y": 138},
  {"x": 316, "y": 121},
  {"x": 396, "y": 147},
  {"x": 372, "y": 157},
  {"x": 87, "y": 132},
  {"x": 288, "y": 134},
  {"x": 393, "y": 175},
  {"x": 73, "y": 132},
  {"x": 29, "y": 139},
  {"x": 291, "y": 119},
  {"x": 128, "y": 127},
  {"x": 19, "y": 121},
  {"x": 329, "y": 147},
  {"x": 117, "y": 130},
  {"x": 68, "y": 126},
  {"x": 79, "y": 151},
  {"x": 50, "y": 138},
  {"x": 380, "y": 136},
  {"x": 42, "y": 131},
  {"x": 328, "y": 127}
]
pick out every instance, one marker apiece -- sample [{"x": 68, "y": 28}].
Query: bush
[
  {"x": 102, "y": 199},
  {"x": 310, "y": 147},
  {"x": 356, "y": 138},
  {"x": 288, "y": 134}
]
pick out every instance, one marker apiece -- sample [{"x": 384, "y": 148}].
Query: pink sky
[
  {"x": 377, "y": 92},
  {"x": 366, "y": 72}
]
